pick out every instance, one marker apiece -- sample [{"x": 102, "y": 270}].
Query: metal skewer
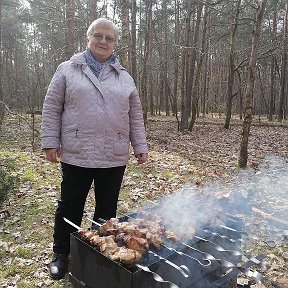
[
  {"x": 156, "y": 276},
  {"x": 220, "y": 248},
  {"x": 252, "y": 274},
  {"x": 72, "y": 224},
  {"x": 186, "y": 255}
]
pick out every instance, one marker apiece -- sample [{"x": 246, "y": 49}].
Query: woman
[{"x": 91, "y": 114}]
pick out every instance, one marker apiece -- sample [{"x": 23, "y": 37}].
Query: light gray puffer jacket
[{"x": 93, "y": 119}]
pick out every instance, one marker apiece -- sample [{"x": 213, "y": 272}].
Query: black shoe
[{"x": 58, "y": 266}]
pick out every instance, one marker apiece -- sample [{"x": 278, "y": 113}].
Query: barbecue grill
[{"x": 213, "y": 257}]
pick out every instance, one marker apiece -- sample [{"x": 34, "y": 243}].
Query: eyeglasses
[{"x": 98, "y": 37}]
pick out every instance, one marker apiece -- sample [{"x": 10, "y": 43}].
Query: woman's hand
[
  {"x": 142, "y": 158},
  {"x": 52, "y": 154}
]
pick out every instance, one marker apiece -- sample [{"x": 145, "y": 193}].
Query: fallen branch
[{"x": 271, "y": 218}]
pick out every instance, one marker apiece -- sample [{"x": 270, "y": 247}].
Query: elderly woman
[{"x": 91, "y": 114}]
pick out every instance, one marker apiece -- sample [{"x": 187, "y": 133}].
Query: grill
[{"x": 213, "y": 257}]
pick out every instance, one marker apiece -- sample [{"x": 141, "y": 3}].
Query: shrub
[{"x": 8, "y": 183}]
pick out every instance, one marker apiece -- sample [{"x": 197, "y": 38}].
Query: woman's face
[{"x": 101, "y": 43}]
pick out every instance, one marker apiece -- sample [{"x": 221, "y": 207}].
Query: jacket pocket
[
  {"x": 71, "y": 141},
  {"x": 121, "y": 144}
]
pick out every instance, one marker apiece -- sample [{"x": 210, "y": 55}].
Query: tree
[
  {"x": 195, "y": 89},
  {"x": 125, "y": 40},
  {"x": 70, "y": 24},
  {"x": 133, "y": 54},
  {"x": 147, "y": 55},
  {"x": 273, "y": 64},
  {"x": 242, "y": 162},
  {"x": 2, "y": 107},
  {"x": 283, "y": 83},
  {"x": 231, "y": 65}
]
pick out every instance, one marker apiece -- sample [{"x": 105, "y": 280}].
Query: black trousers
[{"x": 75, "y": 185}]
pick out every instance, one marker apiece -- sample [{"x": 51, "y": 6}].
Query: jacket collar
[{"x": 79, "y": 59}]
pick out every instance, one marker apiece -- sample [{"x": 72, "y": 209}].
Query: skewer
[
  {"x": 186, "y": 255},
  {"x": 254, "y": 275},
  {"x": 220, "y": 248},
  {"x": 156, "y": 276},
  {"x": 72, "y": 224},
  {"x": 180, "y": 268}
]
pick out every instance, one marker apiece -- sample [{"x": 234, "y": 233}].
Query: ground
[{"x": 208, "y": 154}]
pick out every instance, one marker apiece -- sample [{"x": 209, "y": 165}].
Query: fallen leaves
[{"x": 175, "y": 160}]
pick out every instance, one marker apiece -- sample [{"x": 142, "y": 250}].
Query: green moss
[
  {"x": 26, "y": 284},
  {"x": 24, "y": 252},
  {"x": 11, "y": 269},
  {"x": 168, "y": 174},
  {"x": 29, "y": 174}
]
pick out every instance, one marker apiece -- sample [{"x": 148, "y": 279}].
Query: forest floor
[{"x": 202, "y": 161}]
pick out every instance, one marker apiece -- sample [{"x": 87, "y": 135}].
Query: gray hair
[{"x": 104, "y": 23}]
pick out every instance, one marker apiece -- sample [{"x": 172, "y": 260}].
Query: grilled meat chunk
[
  {"x": 125, "y": 255},
  {"x": 133, "y": 242}
]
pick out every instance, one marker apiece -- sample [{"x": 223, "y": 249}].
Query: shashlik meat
[
  {"x": 133, "y": 242},
  {"x": 125, "y": 255},
  {"x": 87, "y": 234},
  {"x": 171, "y": 235},
  {"x": 108, "y": 246},
  {"x": 127, "y": 241}
]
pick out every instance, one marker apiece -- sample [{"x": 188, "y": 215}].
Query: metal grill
[{"x": 213, "y": 257}]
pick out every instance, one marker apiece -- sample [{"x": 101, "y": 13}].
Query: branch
[{"x": 20, "y": 116}]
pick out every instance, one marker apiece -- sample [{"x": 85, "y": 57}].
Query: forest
[
  {"x": 212, "y": 77},
  {"x": 190, "y": 59}
]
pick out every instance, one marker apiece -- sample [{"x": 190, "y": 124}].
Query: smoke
[{"x": 250, "y": 191}]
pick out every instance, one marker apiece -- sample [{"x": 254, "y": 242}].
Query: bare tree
[
  {"x": 242, "y": 162},
  {"x": 195, "y": 89},
  {"x": 70, "y": 27},
  {"x": 93, "y": 10},
  {"x": 2, "y": 108},
  {"x": 133, "y": 54},
  {"x": 185, "y": 68},
  {"x": 231, "y": 68},
  {"x": 283, "y": 80},
  {"x": 190, "y": 79},
  {"x": 125, "y": 41},
  {"x": 273, "y": 65},
  {"x": 147, "y": 56}
]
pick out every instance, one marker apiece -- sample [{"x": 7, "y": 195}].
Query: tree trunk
[
  {"x": 231, "y": 68},
  {"x": 283, "y": 79},
  {"x": 165, "y": 67},
  {"x": 250, "y": 87},
  {"x": 147, "y": 53},
  {"x": 2, "y": 107},
  {"x": 273, "y": 68},
  {"x": 133, "y": 59},
  {"x": 206, "y": 70},
  {"x": 195, "y": 90},
  {"x": 176, "y": 62},
  {"x": 93, "y": 10},
  {"x": 125, "y": 41},
  {"x": 185, "y": 57},
  {"x": 70, "y": 24},
  {"x": 190, "y": 80}
]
